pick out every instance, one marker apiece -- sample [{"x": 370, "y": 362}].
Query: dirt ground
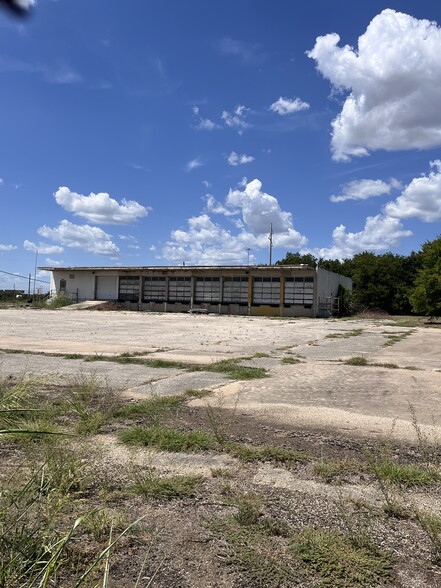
[{"x": 311, "y": 401}]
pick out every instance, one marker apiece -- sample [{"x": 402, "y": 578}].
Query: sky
[{"x": 156, "y": 133}]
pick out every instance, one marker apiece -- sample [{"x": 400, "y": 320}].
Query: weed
[
  {"x": 229, "y": 367},
  {"x": 356, "y": 361},
  {"x": 91, "y": 423},
  {"x": 362, "y": 361},
  {"x": 431, "y": 524},
  {"x": 64, "y": 467},
  {"x": 333, "y": 470},
  {"x": 340, "y": 562},
  {"x": 405, "y": 475},
  {"x": 33, "y": 535},
  {"x": 130, "y": 359},
  {"x": 396, "y": 337},
  {"x": 194, "y": 393},
  {"x": 290, "y": 360},
  {"x": 166, "y": 439},
  {"x": 149, "y": 485},
  {"x": 261, "y": 555},
  {"x": 152, "y": 408},
  {"x": 221, "y": 473},
  {"x": 22, "y": 416},
  {"x": 220, "y": 420},
  {"x": 248, "y": 454},
  {"x": 249, "y": 509},
  {"x": 91, "y": 401},
  {"x": 233, "y": 369},
  {"x": 346, "y": 335},
  {"x": 429, "y": 449},
  {"x": 101, "y": 523},
  {"x": 390, "y": 366},
  {"x": 58, "y": 301}
]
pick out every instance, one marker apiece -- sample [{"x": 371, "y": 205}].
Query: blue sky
[{"x": 152, "y": 133}]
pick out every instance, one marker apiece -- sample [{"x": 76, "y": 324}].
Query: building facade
[{"x": 297, "y": 290}]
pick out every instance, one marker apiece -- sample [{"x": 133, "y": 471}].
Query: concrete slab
[
  {"x": 318, "y": 392},
  {"x": 83, "y": 305}
]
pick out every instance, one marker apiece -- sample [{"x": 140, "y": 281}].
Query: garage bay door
[{"x": 106, "y": 287}]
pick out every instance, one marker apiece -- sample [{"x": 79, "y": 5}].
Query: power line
[{"x": 24, "y": 277}]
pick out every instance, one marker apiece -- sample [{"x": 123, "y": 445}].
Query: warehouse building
[{"x": 295, "y": 290}]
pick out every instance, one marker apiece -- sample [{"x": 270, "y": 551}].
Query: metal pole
[
  {"x": 271, "y": 245},
  {"x": 35, "y": 270},
  {"x": 248, "y": 259}
]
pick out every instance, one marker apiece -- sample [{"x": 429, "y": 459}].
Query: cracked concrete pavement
[{"x": 319, "y": 391}]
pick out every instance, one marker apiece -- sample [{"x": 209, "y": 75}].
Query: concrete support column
[
  {"x": 140, "y": 292},
  {"x": 192, "y": 287},
  {"x": 282, "y": 294}
]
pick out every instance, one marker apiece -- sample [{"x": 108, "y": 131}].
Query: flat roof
[{"x": 175, "y": 267}]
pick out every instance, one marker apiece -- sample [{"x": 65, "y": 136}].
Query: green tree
[
  {"x": 383, "y": 281},
  {"x": 426, "y": 296},
  {"x": 298, "y": 258},
  {"x": 344, "y": 267}
]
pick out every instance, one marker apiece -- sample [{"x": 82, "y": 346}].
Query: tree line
[{"x": 396, "y": 284}]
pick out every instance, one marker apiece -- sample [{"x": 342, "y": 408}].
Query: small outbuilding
[{"x": 277, "y": 290}]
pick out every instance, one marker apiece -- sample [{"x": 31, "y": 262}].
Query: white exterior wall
[
  {"x": 328, "y": 283},
  {"x": 84, "y": 282}
]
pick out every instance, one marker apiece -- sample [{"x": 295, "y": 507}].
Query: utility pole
[
  {"x": 35, "y": 270},
  {"x": 270, "y": 237},
  {"x": 248, "y": 251}
]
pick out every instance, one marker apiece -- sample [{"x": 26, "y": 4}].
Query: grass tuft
[
  {"x": 345, "y": 335},
  {"x": 233, "y": 369},
  {"x": 166, "y": 439},
  {"x": 334, "y": 470},
  {"x": 151, "y": 408},
  {"x": 405, "y": 475},
  {"x": 290, "y": 360},
  {"x": 356, "y": 361},
  {"x": 149, "y": 485},
  {"x": 258, "y": 552},
  {"x": 340, "y": 562}
]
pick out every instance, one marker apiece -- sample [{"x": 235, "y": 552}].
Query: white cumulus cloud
[
  {"x": 100, "y": 208},
  {"x": 394, "y": 85},
  {"x": 235, "y": 159},
  {"x": 364, "y": 189},
  {"x": 43, "y": 248},
  {"x": 284, "y": 106},
  {"x": 259, "y": 210},
  {"x": 215, "y": 207},
  {"x": 85, "y": 237},
  {"x": 421, "y": 198},
  {"x": 7, "y": 247},
  {"x": 380, "y": 233},
  {"x": 206, "y": 241}
]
